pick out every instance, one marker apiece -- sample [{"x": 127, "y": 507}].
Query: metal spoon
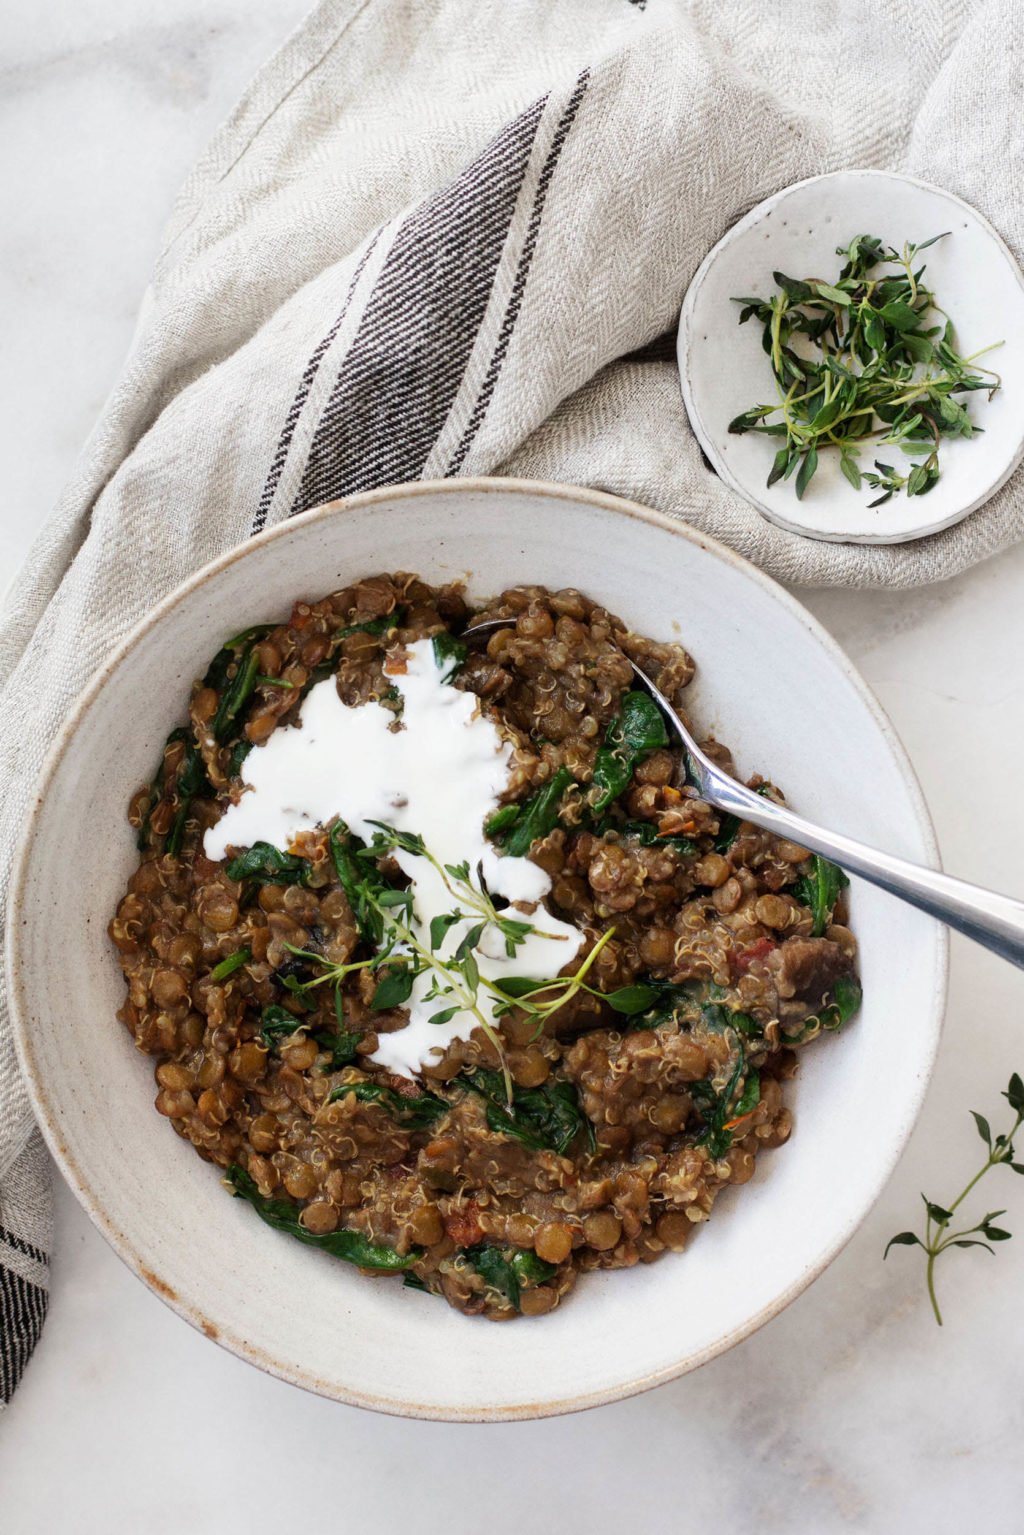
[{"x": 995, "y": 921}]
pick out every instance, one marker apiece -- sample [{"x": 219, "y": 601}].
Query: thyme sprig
[
  {"x": 939, "y": 1236},
  {"x": 403, "y": 951},
  {"x": 872, "y": 364},
  {"x": 457, "y": 880}
]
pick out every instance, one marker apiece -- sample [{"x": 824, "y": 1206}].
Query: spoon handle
[{"x": 996, "y": 921}]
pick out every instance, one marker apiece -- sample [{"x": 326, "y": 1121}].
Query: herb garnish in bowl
[{"x": 868, "y": 358}]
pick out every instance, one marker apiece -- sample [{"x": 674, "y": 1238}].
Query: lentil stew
[{"x": 589, "y": 1121}]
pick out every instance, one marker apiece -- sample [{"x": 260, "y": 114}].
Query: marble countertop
[{"x": 851, "y": 1411}]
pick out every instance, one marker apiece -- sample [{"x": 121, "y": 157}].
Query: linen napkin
[{"x": 449, "y": 237}]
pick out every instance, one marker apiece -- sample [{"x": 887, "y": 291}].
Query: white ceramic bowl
[{"x": 772, "y": 684}]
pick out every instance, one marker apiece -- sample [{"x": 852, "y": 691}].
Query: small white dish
[
  {"x": 723, "y": 370},
  {"x": 761, "y": 659}
]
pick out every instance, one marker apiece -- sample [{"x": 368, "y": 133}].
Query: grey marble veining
[{"x": 851, "y": 1411}]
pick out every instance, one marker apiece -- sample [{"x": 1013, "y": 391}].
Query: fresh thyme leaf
[
  {"x": 632, "y": 999},
  {"x": 471, "y": 971},
  {"x": 870, "y": 365},
  {"x": 439, "y": 926},
  {"x": 393, "y": 990},
  {"x": 520, "y": 985},
  {"x": 984, "y": 1129},
  {"x": 387, "y": 837},
  {"x": 938, "y": 1237},
  {"x": 514, "y": 933},
  {"x": 848, "y": 464},
  {"x": 902, "y": 1239},
  {"x": 808, "y": 465},
  {"x": 470, "y": 941}
]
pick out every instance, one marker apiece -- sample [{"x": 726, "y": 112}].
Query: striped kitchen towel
[{"x": 449, "y": 237}]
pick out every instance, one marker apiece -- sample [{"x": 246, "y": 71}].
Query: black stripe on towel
[
  {"x": 22, "y": 1313},
  {"x": 306, "y": 384},
  {"x": 519, "y": 286},
  {"x": 398, "y": 380},
  {"x": 20, "y": 1245}
]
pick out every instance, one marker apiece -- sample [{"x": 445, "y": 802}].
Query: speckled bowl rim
[{"x": 46, "y": 1114}]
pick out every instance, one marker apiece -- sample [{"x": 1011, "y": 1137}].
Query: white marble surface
[{"x": 849, "y": 1412}]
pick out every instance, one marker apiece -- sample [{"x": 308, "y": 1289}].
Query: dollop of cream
[{"x": 439, "y": 776}]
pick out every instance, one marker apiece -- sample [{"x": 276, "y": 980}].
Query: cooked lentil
[{"x": 666, "y": 1094}]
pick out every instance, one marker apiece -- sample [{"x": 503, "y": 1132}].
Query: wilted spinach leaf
[
  {"x": 267, "y": 865},
  {"x": 351, "y": 1246},
  {"x": 381, "y": 626},
  {"x": 417, "y": 1113},
  {"x": 820, "y": 891},
  {"x": 645, "y": 832},
  {"x": 637, "y": 730},
  {"x": 509, "y": 1270},
  {"x": 546, "y": 1118},
  {"x": 450, "y": 654},
  {"x": 539, "y": 815},
  {"x": 720, "y": 1111}
]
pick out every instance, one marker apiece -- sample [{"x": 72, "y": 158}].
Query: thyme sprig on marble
[
  {"x": 868, "y": 357},
  {"x": 939, "y": 1234}
]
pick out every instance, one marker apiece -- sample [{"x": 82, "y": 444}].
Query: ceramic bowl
[
  {"x": 771, "y": 683},
  {"x": 724, "y": 370}
]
